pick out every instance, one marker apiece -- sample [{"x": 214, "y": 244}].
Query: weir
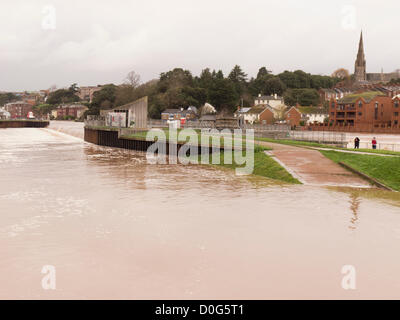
[{"x": 24, "y": 123}]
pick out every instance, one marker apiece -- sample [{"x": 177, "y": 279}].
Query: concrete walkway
[{"x": 312, "y": 168}]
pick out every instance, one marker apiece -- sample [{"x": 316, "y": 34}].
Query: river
[{"x": 115, "y": 227}]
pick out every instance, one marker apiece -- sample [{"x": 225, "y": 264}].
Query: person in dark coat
[{"x": 356, "y": 143}]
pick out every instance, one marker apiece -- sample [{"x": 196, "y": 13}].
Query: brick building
[
  {"x": 396, "y": 111},
  {"x": 18, "y": 110},
  {"x": 70, "y": 110},
  {"x": 86, "y": 93},
  {"x": 372, "y": 108},
  {"x": 293, "y": 116},
  {"x": 178, "y": 114}
]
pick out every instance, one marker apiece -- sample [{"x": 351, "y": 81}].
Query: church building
[{"x": 360, "y": 70}]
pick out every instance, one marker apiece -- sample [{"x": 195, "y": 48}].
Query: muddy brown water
[{"x": 115, "y": 227}]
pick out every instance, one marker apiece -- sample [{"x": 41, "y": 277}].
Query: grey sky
[{"x": 97, "y": 42}]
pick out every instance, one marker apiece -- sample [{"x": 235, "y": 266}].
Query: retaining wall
[{"x": 23, "y": 124}]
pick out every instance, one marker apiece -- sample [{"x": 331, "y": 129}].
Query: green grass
[
  {"x": 264, "y": 166},
  {"x": 320, "y": 145},
  {"x": 384, "y": 169},
  {"x": 295, "y": 143}
]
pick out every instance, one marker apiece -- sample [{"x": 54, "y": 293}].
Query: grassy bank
[
  {"x": 384, "y": 169},
  {"x": 264, "y": 166},
  {"x": 325, "y": 146}
]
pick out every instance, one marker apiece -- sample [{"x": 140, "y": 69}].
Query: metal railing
[{"x": 323, "y": 137}]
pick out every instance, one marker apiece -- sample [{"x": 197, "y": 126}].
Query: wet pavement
[{"x": 312, "y": 168}]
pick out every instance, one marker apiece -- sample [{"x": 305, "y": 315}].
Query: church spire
[
  {"x": 360, "y": 65},
  {"x": 361, "y": 45}
]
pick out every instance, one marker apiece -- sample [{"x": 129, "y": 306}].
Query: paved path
[{"x": 312, "y": 168}]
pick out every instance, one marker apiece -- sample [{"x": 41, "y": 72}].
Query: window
[
  {"x": 360, "y": 104},
  {"x": 396, "y": 122},
  {"x": 332, "y": 113},
  {"x": 376, "y": 110},
  {"x": 396, "y": 114},
  {"x": 396, "y": 104},
  {"x": 333, "y": 105},
  {"x": 360, "y": 113}
]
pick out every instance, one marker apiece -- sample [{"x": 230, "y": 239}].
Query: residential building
[
  {"x": 4, "y": 114},
  {"x": 312, "y": 115},
  {"x": 364, "y": 108},
  {"x": 272, "y": 101},
  {"x": 74, "y": 111},
  {"x": 293, "y": 117},
  {"x": 396, "y": 111},
  {"x": 263, "y": 114},
  {"x": 18, "y": 110},
  {"x": 178, "y": 114},
  {"x": 86, "y": 93}
]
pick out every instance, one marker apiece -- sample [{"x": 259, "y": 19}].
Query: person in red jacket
[{"x": 374, "y": 143}]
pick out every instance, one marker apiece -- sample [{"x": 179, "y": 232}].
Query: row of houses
[
  {"x": 18, "y": 110},
  {"x": 339, "y": 93},
  {"x": 272, "y": 109},
  {"x": 69, "y": 111}
]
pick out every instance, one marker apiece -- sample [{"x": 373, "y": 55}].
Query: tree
[
  {"x": 263, "y": 72},
  {"x": 42, "y": 109},
  {"x": 7, "y": 97},
  {"x": 237, "y": 75},
  {"x": 304, "y": 97},
  {"x": 223, "y": 95},
  {"x": 63, "y": 95},
  {"x": 274, "y": 85},
  {"x": 103, "y": 99},
  {"x": 341, "y": 73},
  {"x": 132, "y": 79}
]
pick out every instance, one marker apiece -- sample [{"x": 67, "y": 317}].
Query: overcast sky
[{"x": 90, "y": 42}]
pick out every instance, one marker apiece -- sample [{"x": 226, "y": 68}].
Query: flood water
[{"x": 115, "y": 227}]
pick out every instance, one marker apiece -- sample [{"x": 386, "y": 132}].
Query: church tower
[{"x": 360, "y": 71}]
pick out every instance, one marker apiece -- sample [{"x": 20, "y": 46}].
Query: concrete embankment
[
  {"x": 110, "y": 137},
  {"x": 23, "y": 123}
]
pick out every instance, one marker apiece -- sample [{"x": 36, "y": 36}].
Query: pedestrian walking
[
  {"x": 374, "y": 143},
  {"x": 357, "y": 143}
]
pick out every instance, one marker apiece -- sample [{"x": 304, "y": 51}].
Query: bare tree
[
  {"x": 132, "y": 79},
  {"x": 341, "y": 73}
]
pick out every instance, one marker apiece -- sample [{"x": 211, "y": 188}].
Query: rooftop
[{"x": 367, "y": 96}]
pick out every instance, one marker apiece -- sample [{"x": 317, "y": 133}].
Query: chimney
[
  {"x": 259, "y": 95},
  {"x": 276, "y": 96}
]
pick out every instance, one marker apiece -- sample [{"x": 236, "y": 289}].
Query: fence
[
  {"x": 379, "y": 146},
  {"x": 323, "y": 137},
  {"x": 361, "y": 128},
  {"x": 95, "y": 121}
]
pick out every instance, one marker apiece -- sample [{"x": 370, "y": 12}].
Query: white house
[{"x": 273, "y": 101}]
